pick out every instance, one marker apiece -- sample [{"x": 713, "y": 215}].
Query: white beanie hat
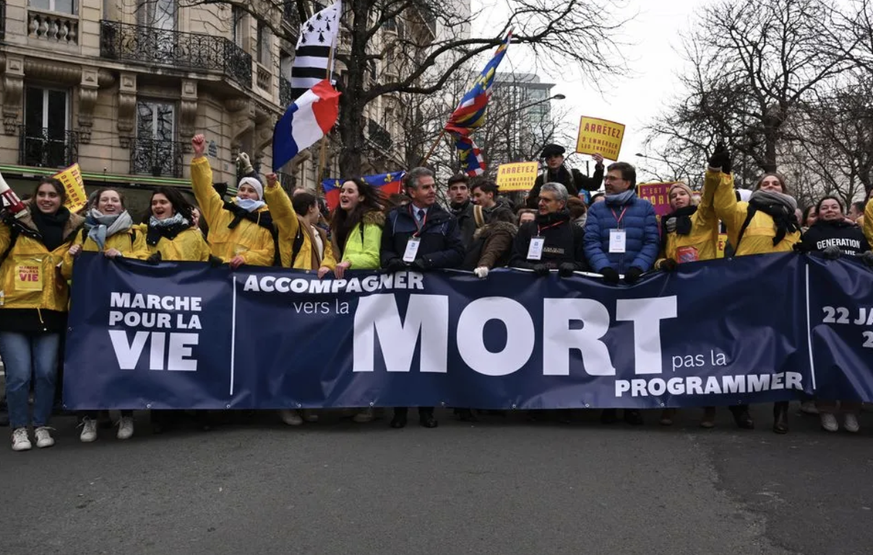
[{"x": 254, "y": 183}]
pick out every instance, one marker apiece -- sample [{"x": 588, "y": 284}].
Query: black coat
[
  {"x": 564, "y": 242},
  {"x": 562, "y": 175},
  {"x": 848, "y": 237},
  {"x": 440, "y": 245},
  {"x": 466, "y": 222}
]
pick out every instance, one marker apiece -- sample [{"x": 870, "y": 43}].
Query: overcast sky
[{"x": 632, "y": 100}]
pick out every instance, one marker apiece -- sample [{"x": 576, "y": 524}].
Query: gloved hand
[
  {"x": 632, "y": 275},
  {"x": 541, "y": 270},
  {"x": 610, "y": 276},
  {"x": 721, "y": 158},
  {"x": 154, "y": 259},
  {"x": 867, "y": 259},
  {"x": 671, "y": 225},
  {"x": 566, "y": 269},
  {"x": 831, "y": 252},
  {"x": 667, "y": 265},
  {"x": 395, "y": 265},
  {"x": 214, "y": 261},
  {"x": 481, "y": 272},
  {"x": 420, "y": 265},
  {"x": 245, "y": 163}
]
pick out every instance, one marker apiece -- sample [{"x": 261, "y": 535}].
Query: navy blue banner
[{"x": 185, "y": 335}]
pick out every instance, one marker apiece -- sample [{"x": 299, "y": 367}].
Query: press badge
[
  {"x": 411, "y": 250},
  {"x": 617, "y": 240},
  {"x": 535, "y": 250}
]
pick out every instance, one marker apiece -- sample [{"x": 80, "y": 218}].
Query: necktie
[{"x": 420, "y": 214}]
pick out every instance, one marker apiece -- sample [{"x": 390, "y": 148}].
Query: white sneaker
[
  {"x": 20, "y": 441},
  {"x": 290, "y": 417},
  {"x": 808, "y": 407},
  {"x": 829, "y": 422},
  {"x": 125, "y": 427},
  {"x": 43, "y": 437},
  {"x": 89, "y": 430},
  {"x": 364, "y": 416},
  {"x": 850, "y": 422}
]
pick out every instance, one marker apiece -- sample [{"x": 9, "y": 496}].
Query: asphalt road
[{"x": 503, "y": 486}]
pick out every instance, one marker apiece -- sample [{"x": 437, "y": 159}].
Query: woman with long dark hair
[
  {"x": 356, "y": 234},
  {"x": 169, "y": 234},
  {"x": 33, "y": 307}
]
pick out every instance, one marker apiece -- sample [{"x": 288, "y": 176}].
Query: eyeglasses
[{"x": 612, "y": 178}]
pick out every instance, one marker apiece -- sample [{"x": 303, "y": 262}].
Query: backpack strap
[
  {"x": 750, "y": 213},
  {"x": 478, "y": 216}
]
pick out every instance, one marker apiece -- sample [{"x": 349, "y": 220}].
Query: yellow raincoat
[
  {"x": 29, "y": 273},
  {"x": 130, "y": 243},
  {"x": 758, "y": 237},
  {"x": 248, "y": 239},
  {"x": 289, "y": 224},
  {"x": 187, "y": 246},
  {"x": 702, "y": 242}
]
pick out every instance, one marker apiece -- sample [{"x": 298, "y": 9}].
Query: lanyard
[
  {"x": 618, "y": 217},
  {"x": 417, "y": 225},
  {"x": 540, "y": 229}
]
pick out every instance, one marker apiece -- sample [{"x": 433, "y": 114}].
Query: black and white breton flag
[{"x": 317, "y": 36}]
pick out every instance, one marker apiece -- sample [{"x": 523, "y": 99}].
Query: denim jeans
[{"x": 25, "y": 355}]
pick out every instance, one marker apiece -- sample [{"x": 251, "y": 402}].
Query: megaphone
[{"x": 10, "y": 201}]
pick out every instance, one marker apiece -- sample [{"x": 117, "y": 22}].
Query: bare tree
[{"x": 754, "y": 64}]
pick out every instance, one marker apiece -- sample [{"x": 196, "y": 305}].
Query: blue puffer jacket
[{"x": 642, "y": 241}]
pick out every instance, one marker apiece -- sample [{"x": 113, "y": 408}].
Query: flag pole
[
  {"x": 433, "y": 147},
  {"x": 322, "y": 157}
]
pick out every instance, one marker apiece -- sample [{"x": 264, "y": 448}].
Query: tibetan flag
[
  {"x": 387, "y": 183},
  {"x": 472, "y": 162},
  {"x": 306, "y": 121},
  {"x": 470, "y": 113}
]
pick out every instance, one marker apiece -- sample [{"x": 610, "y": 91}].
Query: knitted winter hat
[{"x": 254, "y": 183}]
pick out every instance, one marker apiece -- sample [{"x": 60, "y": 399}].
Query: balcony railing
[
  {"x": 47, "y": 148},
  {"x": 195, "y": 51},
  {"x": 53, "y": 27},
  {"x": 379, "y": 135},
  {"x": 155, "y": 157}
]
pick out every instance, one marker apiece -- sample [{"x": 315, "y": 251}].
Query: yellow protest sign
[
  {"x": 519, "y": 176},
  {"x": 599, "y": 135},
  {"x": 71, "y": 178}
]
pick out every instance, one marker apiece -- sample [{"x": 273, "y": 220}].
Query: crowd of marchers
[{"x": 617, "y": 236}]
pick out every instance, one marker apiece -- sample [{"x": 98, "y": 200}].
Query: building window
[
  {"x": 263, "y": 44},
  {"x": 238, "y": 21},
  {"x": 155, "y": 151},
  {"x": 45, "y": 141},
  {"x": 159, "y": 14},
  {"x": 61, "y": 6}
]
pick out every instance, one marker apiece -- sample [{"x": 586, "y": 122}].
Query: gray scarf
[
  {"x": 100, "y": 226},
  {"x": 778, "y": 206},
  {"x": 621, "y": 198}
]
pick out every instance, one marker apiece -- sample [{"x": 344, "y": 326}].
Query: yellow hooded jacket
[
  {"x": 253, "y": 242},
  {"x": 758, "y": 237},
  {"x": 289, "y": 224},
  {"x": 867, "y": 221},
  {"x": 29, "y": 273},
  {"x": 130, "y": 243},
  {"x": 187, "y": 246},
  {"x": 363, "y": 244},
  {"x": 702, "y": 242}
]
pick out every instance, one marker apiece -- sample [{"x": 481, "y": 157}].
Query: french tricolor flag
[{"x": 306, "y": 121}]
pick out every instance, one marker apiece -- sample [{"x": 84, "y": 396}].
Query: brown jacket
[{"x": 492, "y": 246}]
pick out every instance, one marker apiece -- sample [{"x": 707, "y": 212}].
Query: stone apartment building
[{"x": 121, "y": 86}]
